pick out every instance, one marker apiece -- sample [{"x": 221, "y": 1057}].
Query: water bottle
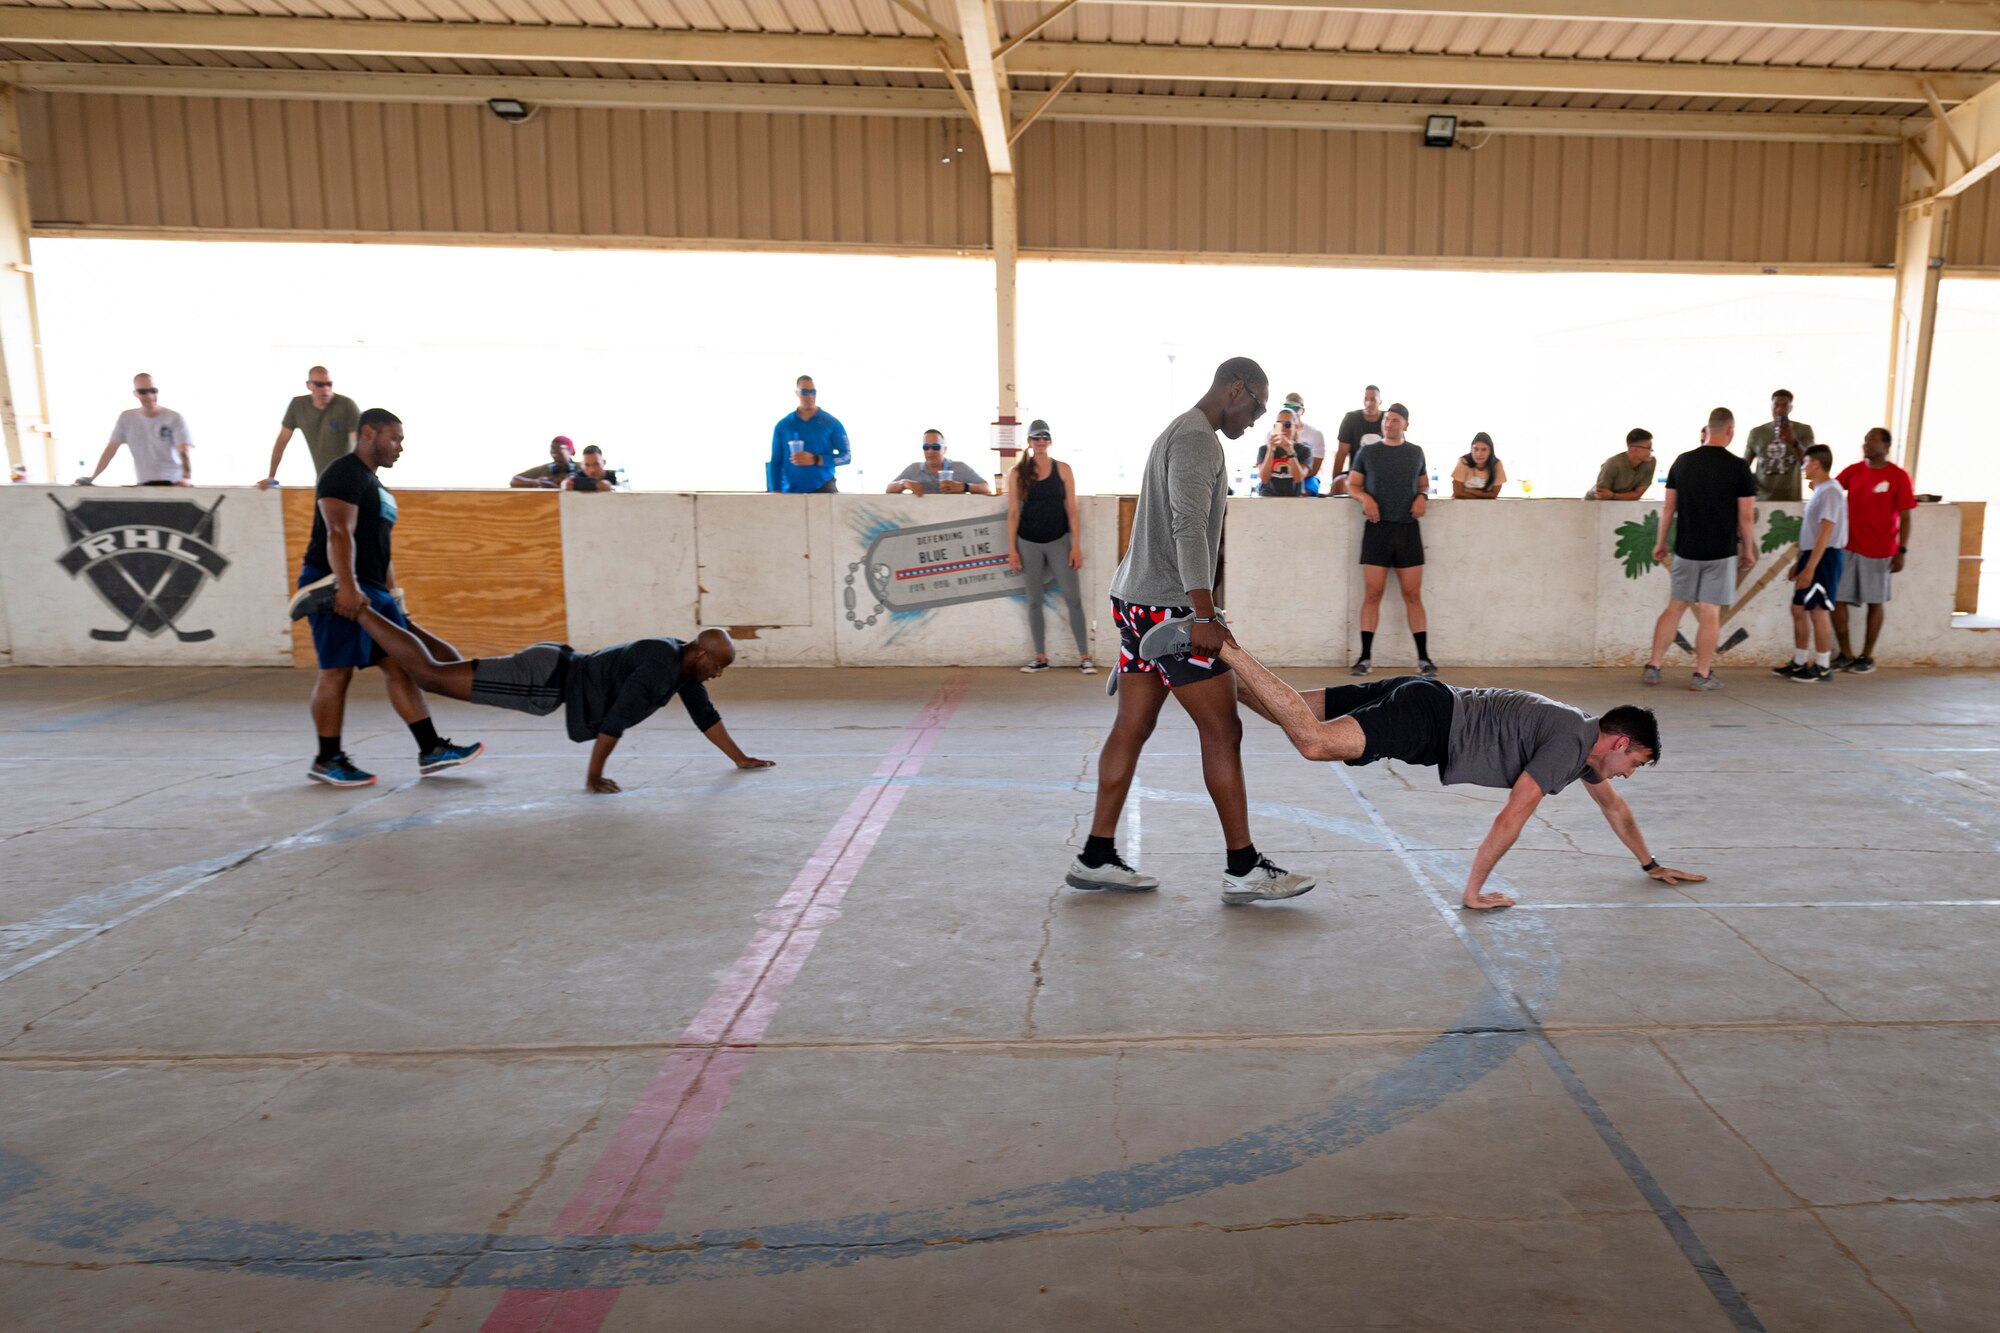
[{"x": 1435, "y": 489}]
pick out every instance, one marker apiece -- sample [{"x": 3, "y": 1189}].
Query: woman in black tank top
[{"x": 1045, "y": 541}]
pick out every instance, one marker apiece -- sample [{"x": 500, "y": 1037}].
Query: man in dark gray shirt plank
[
  {"x": 602, "y": 693},
  {"x": 1169, "y": 572},
  {"x": 1530, "y": 745}
]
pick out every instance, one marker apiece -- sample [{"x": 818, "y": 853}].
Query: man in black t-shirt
[
  {"x": 1388, "y": 478},
  {"x": 348, "y": 565},
  {"x": 602, "y": 693},
  {"x": 1709, "y": 492},
  {"x": 1359, "y": 427}
]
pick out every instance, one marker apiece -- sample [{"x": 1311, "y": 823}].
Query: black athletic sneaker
[
  {"x": 1791, "y": 670},
  {"x": 1862, "y": 666},
  {"x": 1842, "y": 662},
  {"x": 447, "y": 755},
  {"x": 1362, "y": 666},
  {"x": 314, "y": 598},
  {"x": 1813, "y": 675}
]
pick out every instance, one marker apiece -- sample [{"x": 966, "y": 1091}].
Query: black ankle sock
[
  {"x": 426, "y": 734},
  {"x": 1242, "y": 860},
  {"x": 329, "y": 746},
  {"x": 1367, "y": 644},
  {"x": 1098, "y": 851},
  {"x": 1423, "y": 644}
]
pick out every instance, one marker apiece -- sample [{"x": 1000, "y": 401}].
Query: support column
[
  {"x": 23, "y": 387},
  {"x": 1006, "y": 236},
  {"x": 1920, "y": 239}
]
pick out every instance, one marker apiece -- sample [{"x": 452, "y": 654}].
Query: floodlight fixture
[{"x": 1440, "y": 131}]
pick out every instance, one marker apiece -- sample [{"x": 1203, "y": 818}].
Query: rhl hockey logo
[{"x": 146, "y": 558}]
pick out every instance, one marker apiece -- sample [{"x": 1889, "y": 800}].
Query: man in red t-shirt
[{"x": 1880, "y": 497}]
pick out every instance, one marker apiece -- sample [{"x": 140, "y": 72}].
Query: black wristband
[{"x": 1651, "y": 865}]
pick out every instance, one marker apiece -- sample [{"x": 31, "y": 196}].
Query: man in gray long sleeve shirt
[{"x": 1169, "y": 572}]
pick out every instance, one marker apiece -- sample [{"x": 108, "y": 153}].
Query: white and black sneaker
[
  {"x": 1038, "y": 664},
  {"x": 1265, "y": 883},
  {"x": 1113, "y": 874},
  {"x": 314, "y": 598},
  {"x": 1362, "y": 666}
]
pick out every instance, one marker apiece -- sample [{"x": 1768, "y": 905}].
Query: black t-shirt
[
  {"x": 614, "y": 689},
  {"x": 1707, "y": 481},
  {"x": 1280, "y": 484},
  {"x": 1353, "y": 427},
  {"x": 348, "y": 478}
]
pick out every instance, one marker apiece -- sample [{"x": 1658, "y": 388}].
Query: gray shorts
[
  {"x": 1711, "y": 581},
  {"x": 1864, "y": 580},
  {"x": 528, "y": 682}
]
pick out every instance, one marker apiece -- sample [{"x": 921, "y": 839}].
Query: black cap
[
  {"x": 1399, "y": 410},
  {"x": 1038, "y": 427}
]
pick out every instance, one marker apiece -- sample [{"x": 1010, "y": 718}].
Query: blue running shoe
[
  {"x": 339, "y": 771},
  {"x": 447, "y": 755}
]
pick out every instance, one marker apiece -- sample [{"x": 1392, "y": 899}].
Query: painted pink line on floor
[{"x": 634, "y": 1178}]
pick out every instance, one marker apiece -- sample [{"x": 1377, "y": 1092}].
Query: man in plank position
[
  {"x": 1514, "y": 739},
  {"x": 603, "y": 693}
]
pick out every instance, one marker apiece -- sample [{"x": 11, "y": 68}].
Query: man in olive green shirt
[
  {"x": 328, "y": 420},
  {"x": 1625, "y": 476},
  {"x": 1776, "y": 450}
]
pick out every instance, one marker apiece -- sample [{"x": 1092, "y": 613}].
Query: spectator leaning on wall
[
  {"x": 157, "y": 437},
  {"x": 593, "y": 475},
  {"x": 935, "y": 474},
  {"x": 327, "y": 418},
  {"x": 551, "y": 475},
  {"x": 806, "y": 446},
  {"x": 1625, "y": 476}
]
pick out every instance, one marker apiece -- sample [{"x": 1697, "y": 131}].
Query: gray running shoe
[
  {"x": 1265, "y": 883},
  {"x": 1650, "y": 676},
  {"x": 1362, "y": 666},
  {"x": 314, "y": 598},
  {"x": 1113, "y": 874},
  {"x": 1701, "y": 683},
  {"x": 1167, "y": 638}
]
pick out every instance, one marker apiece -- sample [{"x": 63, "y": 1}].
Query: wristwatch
[
  {"x": 1651, "y": 865},
  {"x": 1902, "y": 550}
]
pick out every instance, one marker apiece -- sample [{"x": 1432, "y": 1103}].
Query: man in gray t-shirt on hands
[
  {"x": 1529, "y": 745},
  {"x": 1169, "y": 574}
]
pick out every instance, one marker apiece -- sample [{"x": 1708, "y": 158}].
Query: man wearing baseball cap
[
  {"x": 1310, "y": 437},
  {"x": 551, "y": 475}
]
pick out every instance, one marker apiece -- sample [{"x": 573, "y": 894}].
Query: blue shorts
[
  {"x": 341, "y": 642},
  {"x": 1826, "y": 581}
]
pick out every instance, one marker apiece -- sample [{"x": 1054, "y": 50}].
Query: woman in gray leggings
[{"x": 1045, "y": 541}]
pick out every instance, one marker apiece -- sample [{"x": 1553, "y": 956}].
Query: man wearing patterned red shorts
[{"x": 1169, "y": 571}]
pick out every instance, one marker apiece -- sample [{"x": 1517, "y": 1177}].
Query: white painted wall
[
  {"x": 1507, "y": 583},
  {"x": 50, "y": 613}
]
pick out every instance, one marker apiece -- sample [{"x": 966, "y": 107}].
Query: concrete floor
[{"x": 829, "y": 1047}]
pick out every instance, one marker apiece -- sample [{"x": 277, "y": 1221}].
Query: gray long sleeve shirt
[{"x": 1177, "y": 528}]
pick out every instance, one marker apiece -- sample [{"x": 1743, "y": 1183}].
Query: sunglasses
[
  {"x": 147, "y": 392},
  {"x": 808, "y": 393},
  {"x": 1038, "y": 437},
  {"x": 932, "y": 448},
  {"x": 320, "y": 384}
]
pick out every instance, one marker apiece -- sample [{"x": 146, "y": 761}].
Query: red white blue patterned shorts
[{"x": 1178, "y": 669}]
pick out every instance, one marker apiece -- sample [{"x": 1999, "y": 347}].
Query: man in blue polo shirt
[{"x": 806, "y": 447}]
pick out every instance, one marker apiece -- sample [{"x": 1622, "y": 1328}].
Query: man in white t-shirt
[
  {"x": 157, "y": 437},
  {"x": 1816, "y": 576}
]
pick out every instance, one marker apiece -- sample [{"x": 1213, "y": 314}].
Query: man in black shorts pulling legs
[
  {"x": 1514, "y": 739},
  {"x": 602, "y": 693}
]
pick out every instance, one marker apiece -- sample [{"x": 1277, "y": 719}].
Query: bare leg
[
  {"x": 410, "y": 662},
  {"x": 1663, "y": 631},
  {"x": 1271, "y": 698},
  {"x": 1212, "y": 705},
  {"x": 1140, "y": 696},
  {"x": 1822, "y": 629},
  {"x": 1707, "y": 633},
  {"x": 404, "y": 694},
  {"x": 329, "y": 699},
  {"x": 1840, "y": 629},
  {"x": 1374, "y": 578},
  {"x": 1411, "y": 580},
  {"x": 1874, "y": 628},
  {"x": 1801, "y": 627}
]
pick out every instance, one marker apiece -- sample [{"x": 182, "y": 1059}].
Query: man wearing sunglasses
[
  {"x": 934, "y": 474},
  {"x": 157, "y": 437},
  {"x": 327, "y": 418},
  {"x": 806, "y": 446}
]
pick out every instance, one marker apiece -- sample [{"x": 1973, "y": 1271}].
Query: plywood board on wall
[{"x": 480, "y": 570}]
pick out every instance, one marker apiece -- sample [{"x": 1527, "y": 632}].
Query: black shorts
[
  {"x": 1176, "y": 668},
  {"x": 1396, "y": 545},
  {"x": 1403, "y": 717}
]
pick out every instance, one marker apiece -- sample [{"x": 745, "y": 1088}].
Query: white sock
[
  {"x": 1822, "y": 659},
  {"x": 1798, "y": 657}
]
